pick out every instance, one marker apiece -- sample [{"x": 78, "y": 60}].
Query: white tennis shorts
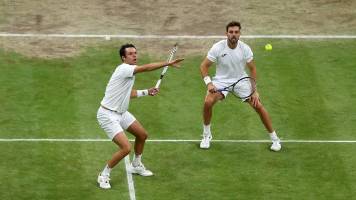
[
  {"x": 244, "y": 88},
  {"x": 113, "y": 122}
]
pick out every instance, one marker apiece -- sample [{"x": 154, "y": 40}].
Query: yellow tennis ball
[{"x": 268, "y": 47}]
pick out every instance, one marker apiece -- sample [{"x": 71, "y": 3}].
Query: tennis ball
[{"x": 268, "y": 47}]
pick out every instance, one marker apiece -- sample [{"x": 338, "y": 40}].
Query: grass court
[{"x": 307, "y": 86}]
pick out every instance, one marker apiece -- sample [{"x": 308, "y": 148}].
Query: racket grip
[{"x": 158, "y": 83}]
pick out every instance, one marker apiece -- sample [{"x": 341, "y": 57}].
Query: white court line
[
  {"x": 129, "y": 179},
  {"x": 105, "y": 36},
  {"x": 168, "y": 140}
]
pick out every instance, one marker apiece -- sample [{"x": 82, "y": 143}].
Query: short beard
[{"x": 232, "y": 42}]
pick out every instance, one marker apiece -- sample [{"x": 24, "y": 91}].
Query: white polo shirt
[
  {"x": 118, "y": 90},
  {"x": 230, "y": 63}
]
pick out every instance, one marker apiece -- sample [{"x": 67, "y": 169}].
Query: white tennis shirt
[
  {"x": 118, "y": 90},
  {"x": 230, "y": 63}
]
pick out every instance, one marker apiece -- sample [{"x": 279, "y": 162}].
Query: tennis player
[
  {"x": 231, "y": 57},
  {"x": 114, "y": 117}
]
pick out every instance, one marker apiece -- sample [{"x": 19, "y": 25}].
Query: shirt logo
[{"x": 224, "y": 55}]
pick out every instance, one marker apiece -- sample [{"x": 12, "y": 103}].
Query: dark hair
[
  {"x": 123, "y": 49},
  {"x": 233, "y": 23}
]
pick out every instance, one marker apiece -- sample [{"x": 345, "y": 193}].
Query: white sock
[
  {"x": 137, "y": 160},
  {"x": 207, "y": 129},
  {"x": 106, "y": 171},
  {"x": 273, "y": 136}
]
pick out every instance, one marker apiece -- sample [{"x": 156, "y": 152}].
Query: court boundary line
[
  {"x": 168, "y": 140},
  {"x": 130, "y": 181},
  {"x": 110, "y": 36}
]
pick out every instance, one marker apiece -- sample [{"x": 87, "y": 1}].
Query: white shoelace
[
  {"x": 105, "y": 178},
  {"x": 140, "y": 165},
  {"x": 206, "y": 137}
]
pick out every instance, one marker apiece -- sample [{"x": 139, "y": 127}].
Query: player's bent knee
[
  {"x": 207, "y": 104},
  {"x": 126, "y": 149},
  {"x": 143, "y": 136},
  {"x": 212, "y": 98},
  {"x": 209, "y": 101}
]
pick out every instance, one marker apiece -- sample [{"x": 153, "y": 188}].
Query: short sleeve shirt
[
  {"x": 230, "y": 63},
  {"x": 118, "y": 90}
]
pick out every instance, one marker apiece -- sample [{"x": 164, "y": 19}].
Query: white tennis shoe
[
  {"x": 205, "y": 142},
  {"x": 140, "y": 170},
  {"x": 276, "y": 145},
  {"x": 104, "y": 181}
]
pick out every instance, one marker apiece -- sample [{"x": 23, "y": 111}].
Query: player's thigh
[
  {"x": 133, "y": 126},
  {"x": 122, "y": 141},
  {"x": 220, "y": 84},
  {"x": 212, "y": 98},
  {"x": 243, "y": 89},
  {"x": 257, "y": 107},
  {"x": 110, "y": 122},
  {"x": 126, "y": 120},
  {"x": 137, "y": 130}
]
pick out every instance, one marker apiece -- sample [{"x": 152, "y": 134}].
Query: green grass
[
  {"x": 57, "y": 171},
  {"x": 249, "y": 171},
  {"x": 50, "y": 170},
  {"x": 306, "y": 85}
]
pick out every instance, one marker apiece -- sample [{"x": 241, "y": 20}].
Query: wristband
[
  {"x": 207, "y": 80},
  {"x": 142, "y": 93}
]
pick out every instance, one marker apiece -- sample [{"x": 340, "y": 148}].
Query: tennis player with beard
[
  {"x": 114, "y": 117},
  {"x": 231, "y": 57}
]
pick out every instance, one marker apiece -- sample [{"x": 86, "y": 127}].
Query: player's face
[
  {"x": 233, "y": 34},
  {"x": 130, "y": 56}
]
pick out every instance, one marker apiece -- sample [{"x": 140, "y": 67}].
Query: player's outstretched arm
[{"x": 154, "y": 66}]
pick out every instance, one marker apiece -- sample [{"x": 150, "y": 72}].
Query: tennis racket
[
  {"x": 171, "y": 55},
  {"x": 243, "y": 88}
]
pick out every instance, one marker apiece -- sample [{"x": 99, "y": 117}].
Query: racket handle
[{"x": 158, "y": 83}]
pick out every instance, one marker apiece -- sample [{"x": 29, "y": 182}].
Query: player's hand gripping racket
[
  {"x": 171, "y": 55},
  {"x": 243, "y": 88}
]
